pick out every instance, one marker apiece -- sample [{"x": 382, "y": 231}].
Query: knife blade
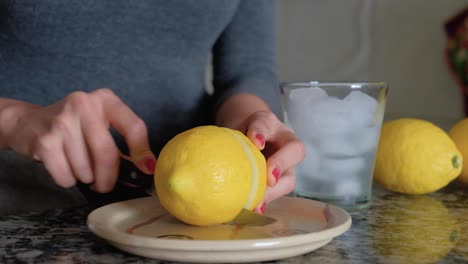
[{"x": 247, "y": 217}]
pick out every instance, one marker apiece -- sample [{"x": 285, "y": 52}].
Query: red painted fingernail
[
  {"x": 150, "y": 164},
  {"x": 261, "y": 139},
  {"x": 262, "y": 208},
  {"x": 276, "y": 173}
]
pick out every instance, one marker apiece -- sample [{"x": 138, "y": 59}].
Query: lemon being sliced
[{"x": 206, "y": 175}]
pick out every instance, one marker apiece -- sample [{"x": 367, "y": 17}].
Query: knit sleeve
[{"x": 244, "y": 55}]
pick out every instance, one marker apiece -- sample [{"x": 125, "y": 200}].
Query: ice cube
[
  {"x": 307, "y": 170},
  {"x": 365, "y": 140},
  {"x": 362, "y": 109},
  {"x": 307, "y": 94},
  {"x": 299, "y": 106},
  {"x": 349, "y": 187},
  {"x": 336, "y": 145},
  {"x": 342, "y": 169},
  {"x": 328, "y": 116},
  {"x": 328, "y": 125},
  {"x": 310, "y": 164}
]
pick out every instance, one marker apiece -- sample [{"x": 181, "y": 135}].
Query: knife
[{"x": 132, "y": 177}]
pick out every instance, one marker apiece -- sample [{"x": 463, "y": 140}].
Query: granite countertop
[{"x": 394, "y": 229}]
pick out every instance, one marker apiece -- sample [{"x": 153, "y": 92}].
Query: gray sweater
[{"x": 151, "y": 53}]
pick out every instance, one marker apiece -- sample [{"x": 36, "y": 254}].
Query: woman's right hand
[{"x": 72, "y": 138}]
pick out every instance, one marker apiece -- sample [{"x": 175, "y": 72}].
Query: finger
[
  {"x": 49, "y": 150},
  {"x": 259, "y": 130},
  {"x": 103, "y": 151},
  {"x": 77, "y": 154},
  {"x": 260, "y": 209},
  {"x": 131, "y": 127},
  {"x": 288, "y": 156},
  {"x": 265, "y": 127},
  {"x": 285, "y": 185},
  {"x": 283, "y": 135}
]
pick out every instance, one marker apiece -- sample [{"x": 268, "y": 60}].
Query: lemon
[
  {"x": 207, "y": 174},
  {"x": 459, "y": 135},
  {"x": 413, "y": 229},
  {"x": 415, "y": 157}
]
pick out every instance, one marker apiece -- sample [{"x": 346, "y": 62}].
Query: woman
[{"x": 55, "y": 55}]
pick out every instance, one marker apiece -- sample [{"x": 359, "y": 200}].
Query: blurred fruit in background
[
  {"x": 456, "y": 51},
  {"x": 459, "y": 135}
]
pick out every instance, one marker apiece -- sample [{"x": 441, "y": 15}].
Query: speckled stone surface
[{"x": 394, "y": 229}]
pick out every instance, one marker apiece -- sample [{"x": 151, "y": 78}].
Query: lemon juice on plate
[{"x": 339, "y": 124}]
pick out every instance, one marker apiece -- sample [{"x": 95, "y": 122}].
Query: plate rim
[{"x": 112, "y": 234}]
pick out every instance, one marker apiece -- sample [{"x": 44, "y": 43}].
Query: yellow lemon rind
[
  {"x": 252, "y": 200},
  {"x": 459, "y": 133},
  {"x": 174, "y": 175},
  {"x": 415, "y": 157}
]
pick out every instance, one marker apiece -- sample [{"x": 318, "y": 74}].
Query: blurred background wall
[{"x": 397, "y": 41}]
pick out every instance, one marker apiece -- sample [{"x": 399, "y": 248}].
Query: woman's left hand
[{"x": 282, "y": 149}]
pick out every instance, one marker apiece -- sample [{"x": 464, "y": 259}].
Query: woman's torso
[{"x": 152, "y": 53}]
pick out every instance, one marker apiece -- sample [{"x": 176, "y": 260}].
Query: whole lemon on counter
[
  {"x": 459, "y": 135},
  {"x": 413, "y": 229},
  {"x": 207, "y": 174},
  {"x": 415, "y": 157}
]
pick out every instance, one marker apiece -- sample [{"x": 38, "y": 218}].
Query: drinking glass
[{"x": 339, "y": 123}]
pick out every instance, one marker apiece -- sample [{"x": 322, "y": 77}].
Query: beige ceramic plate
[{"x": 144, "y": 228}]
